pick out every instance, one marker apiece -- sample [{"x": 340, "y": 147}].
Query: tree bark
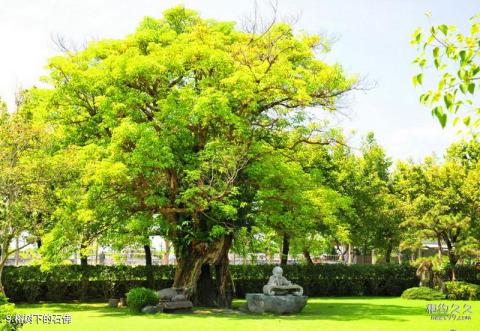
[
  {"x": 350, "y": 252},
  {"x": 84, "y": 261},
  {"x": 452, "y": 257},
  {"x": 148, "y": 266},
  {"x": 308, "y": 257},
  {"x": 2, "y": 289},
  {"x": 285, "y": 249},
  {"x": 17, "y": 251},
  {"x": 3, "y": 260},
  {"x": 193, "y": 272},
  {"x": 84, "y": 277},
  {"x": 439, "y": 243},
  {"x": 166, "y": 255},
  {"x": 388, "y": 253},
  {"x": 83, "y": 256}
]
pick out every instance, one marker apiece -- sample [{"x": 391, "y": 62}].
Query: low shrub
[
  {"x": 462, "y": 291},
  {"x": 139, "y": 297},
  {"x": 7, "y": 313},
  {"x": 3, "y": 299},
  {"x": 422, "y": 293}
]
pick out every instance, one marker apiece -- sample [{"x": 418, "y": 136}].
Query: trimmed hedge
[
  {"x": 69, "y": 283},
  {"x": 330, "y": 279},
  {"x": 94, "y": 283}
]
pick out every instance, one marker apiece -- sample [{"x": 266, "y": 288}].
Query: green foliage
[
  {"x": 439, "y": 202},
  {"x": 331, "y": 279},
  {"x": 62, "y": 283},
  {"x": 422, "y": 293},
  {"x": 449, "y": 58},
  {"x": 7, "y": 309},
  {"x": 462, "y": 291},
  {"x": 139, "y": 297},
  {"x": 26, "y": 194},
  {"x": 163, "y": 126}
]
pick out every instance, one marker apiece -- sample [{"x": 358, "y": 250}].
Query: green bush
[
  {"x": 462, "y": 291},
  {"x": 3, "y": 299},
  {"x": 139, "y": 297},
  {"x": 422, "y": 293},
  {"x": 7, "y": 309}
]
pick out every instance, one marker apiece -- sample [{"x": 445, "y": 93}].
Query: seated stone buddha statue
[{"x": 279, "y": 285}]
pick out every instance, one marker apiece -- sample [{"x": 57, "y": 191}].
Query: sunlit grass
[{"x": 360, "y": 313}]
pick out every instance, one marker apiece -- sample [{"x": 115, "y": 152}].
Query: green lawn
[{"x": 360, "y": 313}]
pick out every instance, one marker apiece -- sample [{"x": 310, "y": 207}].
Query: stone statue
[
  {"x": 425, "y": 273},
  {"x": 279, "y": 285}
]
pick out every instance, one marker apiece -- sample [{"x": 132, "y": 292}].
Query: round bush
[
  {"x": 422, "y": 293},
  {"x": 139, "y": 297}
]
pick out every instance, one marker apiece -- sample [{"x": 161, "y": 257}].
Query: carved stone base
[
  {"x": 175, "y": 306},
  {"x": 278, "y": 304}
]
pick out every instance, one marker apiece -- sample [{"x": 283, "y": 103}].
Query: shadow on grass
[{"x": 316, "y": 309}]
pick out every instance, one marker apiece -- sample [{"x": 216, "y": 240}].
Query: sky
[{"x": 371, "y": 40}]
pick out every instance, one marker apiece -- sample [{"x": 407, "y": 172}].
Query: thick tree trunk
[
  {"x": 285, "y": 249},
  {"x": 194, "y": 272},
  {"x": 148, "y": 266},
  {"x": 308, "y": 257}
]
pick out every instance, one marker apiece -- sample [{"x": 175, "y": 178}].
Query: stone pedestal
[
  {"x": 278, "y": 304},
  {"x": 175, "y": 306},
  {"x": 173, "y": 300}
]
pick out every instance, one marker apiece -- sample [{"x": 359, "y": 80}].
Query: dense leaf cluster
[{"x": 462, "y": 291}]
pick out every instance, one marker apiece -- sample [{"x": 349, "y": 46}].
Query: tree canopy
[{"x": 164, "y": 124}]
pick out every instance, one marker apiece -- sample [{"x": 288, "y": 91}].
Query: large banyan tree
[{"x": 167, "y": 121}]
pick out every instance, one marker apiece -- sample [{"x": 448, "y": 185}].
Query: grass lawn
[{"x": 325, "y": 314}]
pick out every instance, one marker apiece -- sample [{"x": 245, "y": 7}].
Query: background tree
[
  {"x": 437, "y": 207},
  {"x": 25, "y": 183}
]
